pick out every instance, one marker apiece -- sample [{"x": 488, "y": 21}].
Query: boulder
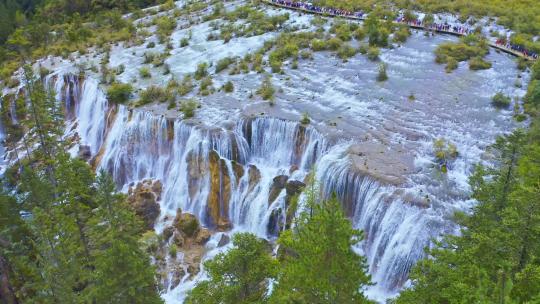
[
  {"x": 223, "y": 240},
  {"x": 84, "y": 153},
  {"x": 168, "y": 232},
  {"x": 254, "y": 177},
  {"x": 202, "y": 236},
  {"x": 294, "y": 187},
  {"x": 145, "y": 202},
  {"x": 187, "y": 224},
  {"x": 278, "y": 184}
]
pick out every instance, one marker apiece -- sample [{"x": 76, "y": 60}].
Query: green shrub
[
  {"x": 451, "y": 64},
  {"x": 202, "y": 71},
  {"x": 266, "y": 90},
  {"x": 444, "y": 152},
  {"x": 155, "y": 94},
  {"x": 305, "y": 54},
  {"x": 173, "y": 250},
  {"x": 188, "y": 107},
  {"x": 318, "y": 45},
  {"x": 532, "y": 98},
  {"x": 151, "y": 45},
  {"x": 346, "y": 51},
  {"x": 477, "y": 63},
  {"x": 165, "y": 26},
  {"x": 334, "y": 43},
  {"x": 228, "y": 87},
  {"x": 224, "y": 63},
  {"x": 382, "y": 76},
  {"x": 184, "y": 42},
  {"x": 186, "y": 86},
  {"x": 144, "y": 72},
  {"x": 373, "y": 53},
  {"x": 305, "y": 119},
  {"x": 206, "y": 87},
  {"x": 402, "y": 34},
  {"x": 359, "y": 33},
  {"x": 500, "y": 100},
  {"x": 119, "y": 92}
]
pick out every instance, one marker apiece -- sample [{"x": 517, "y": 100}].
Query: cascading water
[{"x": 235, "y": 177}]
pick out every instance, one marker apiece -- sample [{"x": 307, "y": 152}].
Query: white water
[{"x": 138, "y": 144}]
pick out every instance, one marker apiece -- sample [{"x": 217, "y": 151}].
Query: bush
[
  {"x": 119, "y": 92},
  {"x": 318, "y": 45},
  {"x": 305, "y": 54},
  {"x": 145, "y": 72},
  {"x": 451, "y": 64},
  {"x": 359, "y": 33},
  {"x": 151, "y": 45},
  {"x": 155, "y": 94},
  {"x": 228, "y": 87},
  {"x": 165, "y": 26},
  {"x": 402, "y": 34},
  {"x": 184, "y": 42},
  {"x": 477, "y": 63},
  {"x": 305, "y": 119},
  {"x": 266, "y": 90},
  {"x": 202, "y": 71},
  {"x": 206, "y": 86},
  {"x": 224, "y": 63},
  {"x": 382, "y": 76},
  {"x": 500, "y": 100},
  {"x": 334, "y": 43},
  {"x": 532, "y": 98},
  {"x": 373, "y": 53},
  {"x": 186, "y": 86},
  {"x": 346, "y": 51},
  {"x": 444, "y": 152},
  {"x": 188, "y": 107}
]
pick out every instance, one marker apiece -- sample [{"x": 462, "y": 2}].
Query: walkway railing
[{"x": 456, "y": 30}]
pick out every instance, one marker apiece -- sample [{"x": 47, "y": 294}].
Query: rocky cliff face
[{"x": 144, "y": 197}]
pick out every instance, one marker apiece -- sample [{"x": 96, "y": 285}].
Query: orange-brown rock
[
  {"x": 187, "y": 224},
  {"x": 196, "y": 172},
  {"x": 254, "y": 177},
  {"x": 238, "y": 170},
  {"x": 144, "y": 201},
  {"x": 278, "y": 183},
  {"x": 220, "y": 192},
  {"x": 202, "y": 236}
]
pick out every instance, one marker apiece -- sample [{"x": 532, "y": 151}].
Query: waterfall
[{"x": 233, "y": 178}]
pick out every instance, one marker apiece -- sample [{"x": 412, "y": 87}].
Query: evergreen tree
[
  {"x": 123, "y": 273},
  {"x": 239, "y": 276},
  {"x": 318, "y": 263},
  {"x": 496, "y": 257}
]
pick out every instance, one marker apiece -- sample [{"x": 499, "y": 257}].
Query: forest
[{"x": 68, "y": 235}]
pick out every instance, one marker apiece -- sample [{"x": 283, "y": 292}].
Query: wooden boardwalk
[{"x": 418, "y": 27}]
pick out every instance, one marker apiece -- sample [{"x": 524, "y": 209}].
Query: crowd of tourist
[
  {"x": 317, "y": 9},
  {"x": 440, "y": 27},
  {"x": 445, "y": 27},
  {"x": 518, "y": 48}
]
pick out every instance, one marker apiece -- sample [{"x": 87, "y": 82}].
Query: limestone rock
[
  {"x": 224, "y": 240},
  {"x": 278, "y": 184},
  {"x": 294, "y": 187},
  {"x": 187, "y": 224},
  {"x": 203, "y": 236},
  {"x": 220, "y": 192},
  {"x": 84, "y": 153},
  {"x": 144, "y": 200}
]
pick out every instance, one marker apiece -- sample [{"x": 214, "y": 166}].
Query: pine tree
[
  {"x": 123, "y": 273},
  {"x": 318, "y": 263},
  {"x": 239, "y": 276}
]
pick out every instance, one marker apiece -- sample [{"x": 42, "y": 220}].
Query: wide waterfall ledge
[{"x": 236, "y": 163}]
